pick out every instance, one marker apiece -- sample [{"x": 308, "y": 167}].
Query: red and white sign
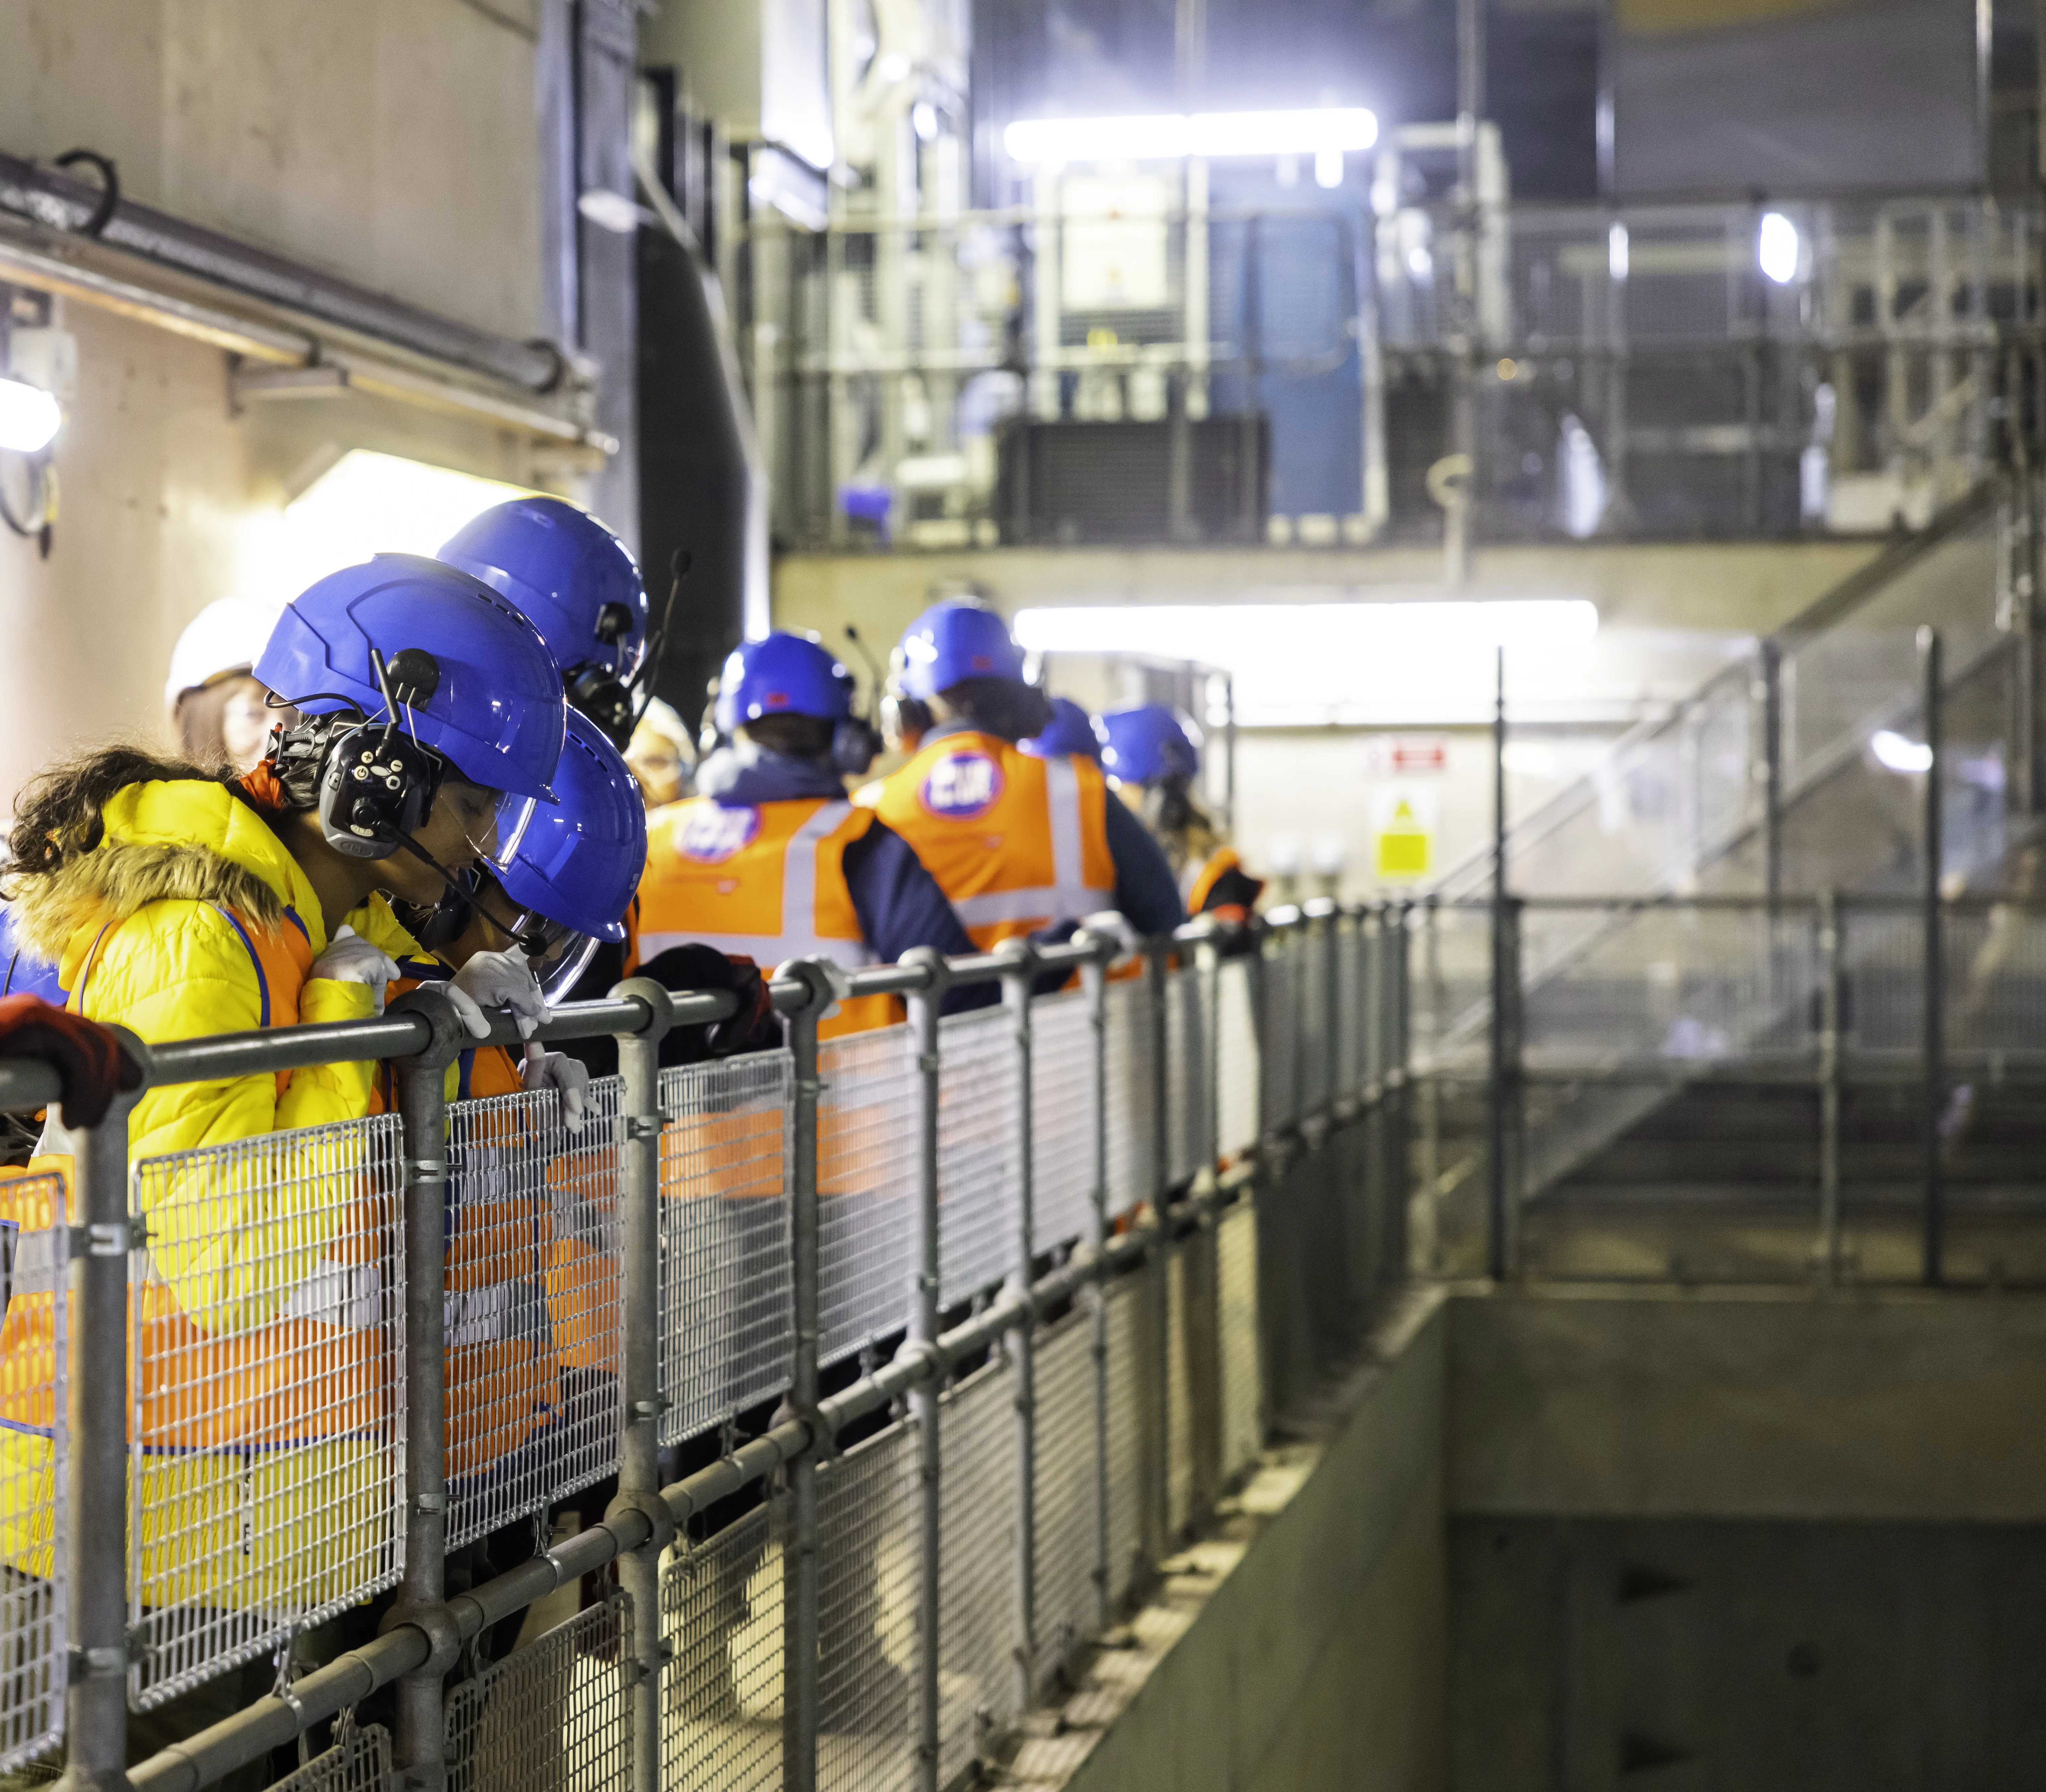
[{"x": 1409, "y": 755}]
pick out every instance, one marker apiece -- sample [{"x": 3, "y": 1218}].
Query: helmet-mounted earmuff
[{"x": 377, "y": 783}]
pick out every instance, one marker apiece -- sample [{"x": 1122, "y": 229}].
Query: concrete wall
[
  {"x": 1317, "y": 1659},
  {"x": 393, "y": 141}
]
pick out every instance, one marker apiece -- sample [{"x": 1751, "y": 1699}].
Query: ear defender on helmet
[
  {"x": 854, "y": 745},
  {"x": 605, "y": 699},
  {"x": 377, "y": 784}
]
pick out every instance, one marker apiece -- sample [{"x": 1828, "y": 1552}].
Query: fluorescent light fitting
[
  {"x": 1776, "y": 247},
  {"x": 28, "y": 417},
  {"x": 1330, "y": 130},
  {"x": 1328, "y": 167},
  {"x": 1235, "y": 635},
  {"x": 1616, "y": 252},
  {"x": 1896, "y": 753}
]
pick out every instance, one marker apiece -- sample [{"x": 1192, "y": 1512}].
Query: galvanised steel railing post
[
  {"x": 1157, "y": 968},
  {"x": 1933, "y": 1045},
  {"x": 1832, "y": 989},
  {"x": 1396, "y": 1080},
  {"x": 639, "y": 1319},
  {"x": 926, "y": 1005},
  {"x": 423, "y": 1107},
  {"x": 1093, "y": 981},
  {"x": 801, "y": 1706},
  {"x": 1332, "y": 1025},
  {"x": 96, "y": 1413},
  {"x": 1019, "y": 965},
  {"x": 1207, "y": 970}
]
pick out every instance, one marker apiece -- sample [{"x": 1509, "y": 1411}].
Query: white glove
[
  {"x": 557, "y": 1070},
  {"x": 351, "y": 959},
  {"x": 498, "y": 979},
  {"x": 1109, "y": 924}
]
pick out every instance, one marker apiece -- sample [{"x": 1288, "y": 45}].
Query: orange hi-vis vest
[
  {"x": 763, "y": 881},
  {"x": 1017, "y": 843}
]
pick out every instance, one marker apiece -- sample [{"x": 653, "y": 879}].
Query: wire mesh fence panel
[
  {"x": 976, "y": 1124},
  {"x": 726, "y": 1324},
  {"x": 1067, "y": 1462},
  {"x": 721, "y": 1615},
  {"x": 980, "y": 1630},
  {"x": 1130, "y": 1404},
  {"x": 1187, "y": 1024},
  {"x": 554, "y": 1716},
  {"x": 867, "y": 1154},
  {"x": 35, "y": 1258},
  {"x": 358, "y": 1761},
  {"x": 1348, "y": 1022},
  {"x": 1062, "y": 1128},
  {"x": 1278, "y": 1030},
  {"x": 1179, "y": 1387},
  {"x": 1132, "y": 1095},
  {"x": 1237, "y": 1080},
  {"x": 532, "y": 1304},
  {"x": 1996, "y": 983},
  {"x": 267, "y": 1322},
  {"x": 869, "y": 1584},
  {"x": 1242, "y": 1383},
  {"x": 1883, "y": 962}
]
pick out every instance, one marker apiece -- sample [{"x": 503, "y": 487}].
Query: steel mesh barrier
[
  {"x": 532, "y": 1304},
  {"x": 1187, "y": 1032},
  {"x": 721, "y": 1616},
  {"x": 554, "y": 1716},
  {"x": 1236, "y": 1318},
  {"x": 977, "y": 1120},
  {"x": 267, "y": 1446},
  {"x": 1236, "y": 1042},
  {"x": 1130, "y": 1056},
  {"x": 1067, "y": 1538},
  {"x": 979, "y": 1629},
  {"x": 726, "y": 1321},
  {"x": 1350, "y": 1011},
  {"x": 1179, "y": 1386},
  {"x": 359, "y": 1761},
  {"x": 869, "y": 1580},
  {"x": 1062, "y": 1120},
  {"x": 1132, "y": 1417},
  {"x": 1278, "y": 1031},
  {"x": 35, "y": 1257},
  {"x": 866, "y": 1182},
  {"x": 1315, "y": 1020}
]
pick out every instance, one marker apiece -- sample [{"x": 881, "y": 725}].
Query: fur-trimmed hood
[{"x": 184, "y": 840}]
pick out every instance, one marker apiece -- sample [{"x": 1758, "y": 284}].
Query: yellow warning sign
[{"x": 1405, "y": 836}]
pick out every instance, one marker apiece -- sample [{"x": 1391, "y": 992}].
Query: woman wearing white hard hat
[{"x": 218, "y": 710}]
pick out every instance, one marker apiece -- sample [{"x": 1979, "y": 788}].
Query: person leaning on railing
[{"x": 178, "y": 904}]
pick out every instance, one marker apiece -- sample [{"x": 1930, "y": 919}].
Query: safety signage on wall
[
  {"x": 1408, "y": 755},
  {"x": 1404, "y": 818}
]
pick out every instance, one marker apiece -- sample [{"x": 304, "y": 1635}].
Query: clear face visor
[
  {"x": 564, "y": 954},
  {"x": 515, "y": 815}
]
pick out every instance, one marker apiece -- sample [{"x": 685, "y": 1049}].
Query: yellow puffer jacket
[{"x": 264, "y": 1379}]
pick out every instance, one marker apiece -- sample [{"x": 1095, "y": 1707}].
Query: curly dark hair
[{"x": 58, "y": 815}]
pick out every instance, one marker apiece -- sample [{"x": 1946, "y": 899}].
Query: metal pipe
[
  {"x": 800, "y": 1694},
  {"x": 639, "y": 1321},
  {"x": 1772, "y": 770},
  {"x": 925, "y": 1007},
  {"x": 1016, "y": 986},
  {"x": 421, "y": 1757},
  {"x": 1496, "y": 1123},
  {"x": 1934, "y": 1041},
  {"x": 96, "y": 1699},
  {"x": 52, "y": 199},
  {"x": 1094, "y": 981}
]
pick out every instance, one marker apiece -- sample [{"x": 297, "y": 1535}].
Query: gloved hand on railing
[
  {"x": 351, "y": 959},
  {"x": 498, "y": 979},
  {"x": 1106, "y": 924},
  {"x": 87, "y": 1057},
  {"x": 751, "y": 1027},
  {"x": 543, "y": 1069}
]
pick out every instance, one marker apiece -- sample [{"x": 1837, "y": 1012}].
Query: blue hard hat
[
  {"x": 1070, "y": 731},
  {"x": 495, "y": 711},
  {"x": 1142, "y": 745},
  {"x": 952, "y": 642},
  {"x": 781, "y": 674},
  {"x": 577, "y": 863},
  {"x": 575, "y": 580}
]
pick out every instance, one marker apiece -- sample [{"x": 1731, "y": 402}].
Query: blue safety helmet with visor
[
  {"x": 578, "y": 584},
  {"x": 1149, "y": 743},
  {"x": 1072, "y": 732}
]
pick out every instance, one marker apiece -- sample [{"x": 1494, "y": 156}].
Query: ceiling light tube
[{"x": 28, "y": 417}]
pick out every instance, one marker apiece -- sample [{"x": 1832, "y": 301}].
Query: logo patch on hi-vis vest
[
  {"x": 713, "y": 833},
  {"x": 961, "y": 786}
]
